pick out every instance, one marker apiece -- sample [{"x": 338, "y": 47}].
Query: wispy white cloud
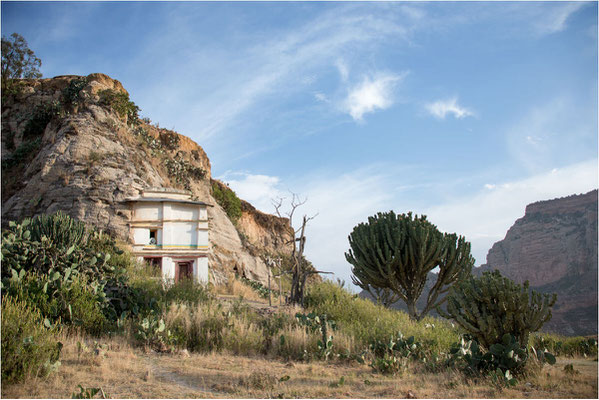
[
  {"x": 248, "y": 74},
  {"x": 554, "y": 18},
  {"x": 373, "y": 93},
  {"x": 343, "y": 70},
  {"x": 556, "y": 132},
  {"x": 321, "y": 97},
  {"x": 533, "y": 140},
  {"x": 442, "y": 108},
  {"x": 258, "y": 189}
]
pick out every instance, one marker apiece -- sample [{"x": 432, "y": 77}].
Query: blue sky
[{"x": 463, "y": 111}]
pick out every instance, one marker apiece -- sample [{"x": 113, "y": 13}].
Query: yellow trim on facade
[
  {"x": 171, "y": 255},
  {"x": 159, "y": 221}
]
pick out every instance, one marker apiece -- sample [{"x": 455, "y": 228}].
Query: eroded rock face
[
  {"x": 554, "y": 247},
  {"x": 86, "y": 160},
  {"x": 266, "y": 232}
]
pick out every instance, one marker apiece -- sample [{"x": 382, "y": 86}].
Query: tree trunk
[{"x": 412, "y": 310}]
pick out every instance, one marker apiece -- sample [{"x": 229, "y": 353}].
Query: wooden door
[{"x": 184, "y": 270}]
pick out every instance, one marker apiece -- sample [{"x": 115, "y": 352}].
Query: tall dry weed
[{"x": 234, "y": 287}]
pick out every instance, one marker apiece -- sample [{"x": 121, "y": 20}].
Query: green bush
[
  {"x": 390, "y": 356},
  {"x": 227, "y": 200},
  {"x": 151, "y": 333},
  {"x": 39, "y": 119},
  {"x": 199, "y": 329},
  {"x": 564, "y": 345},
  {"x": 491, "y": 306},
  {"x": 502, "y": 362},
  {"x": 71, "y": 303},
  {"x": 152, "y": 295},
  {"x": 273, "y": 325},
  {"x": 506, "y": 355},
  {"x": 120, "y": 102},
  {"x": 28, "y": 347},
  {"x": 22, "y": 153},
  {"x": 71, "y": 95},
  {"x": 76, "y": 279},
  {"x": 186, "y": 291}
]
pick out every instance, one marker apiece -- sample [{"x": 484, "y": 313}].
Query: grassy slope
[
  {"x": 125, "y": 372},
  {"x": 128, "y": 372}
]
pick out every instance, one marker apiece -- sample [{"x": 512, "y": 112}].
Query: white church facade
[{"x": 169, "y": 230}]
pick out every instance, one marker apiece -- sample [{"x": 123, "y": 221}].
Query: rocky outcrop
[
  {"x": 65, "y": 148},
  {"x": 554, "y": 247},
  {"x": 265, "y": 232}
]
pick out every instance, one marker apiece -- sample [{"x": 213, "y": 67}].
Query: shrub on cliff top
[
  {"x": 227, "y": 200},
  {"x": 120, "y": 103}
]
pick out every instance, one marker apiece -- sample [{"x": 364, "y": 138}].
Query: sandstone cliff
[
  {"x": 554, "y": 247},
  {"x": 68, "y": 144}
]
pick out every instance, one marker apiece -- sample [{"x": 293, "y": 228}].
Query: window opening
[{"x": 153, "y": 236}]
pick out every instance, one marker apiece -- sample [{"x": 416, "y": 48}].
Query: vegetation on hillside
[
  {"x": 62, "y": 276},
  {"x": 119, "y": 102},
  {"x": 228, "y": 200}
]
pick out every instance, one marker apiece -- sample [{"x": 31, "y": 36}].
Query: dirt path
[{"x": 173, "y": 377}]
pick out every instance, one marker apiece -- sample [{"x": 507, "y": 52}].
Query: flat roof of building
[
  {"x": 164, "y": 199},
  {"x": 166, "y": 190}
]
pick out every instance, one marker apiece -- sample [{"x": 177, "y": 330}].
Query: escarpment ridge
[{"x": 554, "y": 247}]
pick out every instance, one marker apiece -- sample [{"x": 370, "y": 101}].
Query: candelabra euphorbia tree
[{"x": 397, "y": 252}]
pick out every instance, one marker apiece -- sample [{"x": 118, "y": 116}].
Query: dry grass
[
  {"x": 236, "y": 288},
  {"x": 123, "y": 372}
]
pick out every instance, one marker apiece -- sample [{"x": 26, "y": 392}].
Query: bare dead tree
[{"x": 299, "y": 268}]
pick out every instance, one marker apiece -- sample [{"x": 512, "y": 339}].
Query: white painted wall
[
  {"x": 141, "y": 235},
  {"x": 181, "y": 233},
  {"x": 184, "y": 211},
  {"x": 201, "y": 270},
  {"x": 204, "y": 213},
  {"x": 147, "y": 211},
  {"x": 203, "y": 238},
  {"x": 168, "y": 269}
]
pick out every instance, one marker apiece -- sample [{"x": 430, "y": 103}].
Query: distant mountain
[{"x": 554, "y": 247}]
